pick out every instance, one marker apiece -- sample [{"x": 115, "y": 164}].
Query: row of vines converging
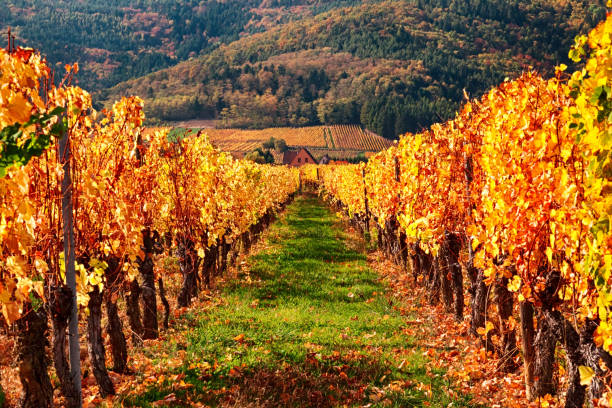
[
  {"x": 515, "y": 193},
  {"x": 137, "y": 198}
]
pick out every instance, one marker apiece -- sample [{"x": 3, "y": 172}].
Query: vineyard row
[
  {"x": 515, "y": 193},
  {"x": 137, "y": 203}
]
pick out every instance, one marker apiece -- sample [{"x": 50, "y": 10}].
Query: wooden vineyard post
[
  {"x": 74, "y": 351},
  {"x": 318, "y": 176},
  {"x": 402, "y": 238},
  {"x": 11, "y": 42},
  {"x": 300, "y": 178},
  {"x": 367, "y": 206}
]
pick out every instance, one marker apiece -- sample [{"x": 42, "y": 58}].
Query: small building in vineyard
[{"x": 298, "y": 157}]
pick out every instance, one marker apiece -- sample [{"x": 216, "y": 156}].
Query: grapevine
[{"x": 515, "y": 189}]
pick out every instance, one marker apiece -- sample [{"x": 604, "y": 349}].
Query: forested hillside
[
  {"x": 391, "y": 66},
  {"x": 117, "y": 40}
]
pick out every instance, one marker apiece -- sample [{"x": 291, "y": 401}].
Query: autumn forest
[{"x": 309, "y": 203}]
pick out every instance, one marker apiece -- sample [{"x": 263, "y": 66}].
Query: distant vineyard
[
  {"x": 335, "y": 138},
  {"x": 318, "y": 153}
]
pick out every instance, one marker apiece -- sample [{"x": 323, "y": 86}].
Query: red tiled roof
[{"x": 289, "y": 155}]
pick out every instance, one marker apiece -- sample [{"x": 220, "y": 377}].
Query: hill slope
[
  {"x": 391, "y": 66},
  {"x": 117, "y": 40}
]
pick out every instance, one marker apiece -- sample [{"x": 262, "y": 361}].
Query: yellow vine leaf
[{"x": 586, "y": 375}]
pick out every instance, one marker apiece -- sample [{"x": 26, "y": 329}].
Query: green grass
[{"x": 312, "y": 327}]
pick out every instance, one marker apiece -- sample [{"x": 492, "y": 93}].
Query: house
[{"x": 298, "y": 157}]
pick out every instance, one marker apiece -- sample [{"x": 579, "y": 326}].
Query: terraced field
[
  {"x": 337, "y": 141},
  {"x": 340, "y": 137}
]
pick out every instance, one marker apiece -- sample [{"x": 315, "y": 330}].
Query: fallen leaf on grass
[
  {"x": 370, "y": 335},
  {"x": 235, "y": 372},
  {"x": 168, "y": 399},
  {"x": 401, "y": 365}
]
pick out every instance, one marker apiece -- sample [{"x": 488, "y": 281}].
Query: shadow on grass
[
  {"x": 326, "y": 381},
  {"x": 319, "y": 381}
]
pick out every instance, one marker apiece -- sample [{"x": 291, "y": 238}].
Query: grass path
[{"x": 309, "y": 325}]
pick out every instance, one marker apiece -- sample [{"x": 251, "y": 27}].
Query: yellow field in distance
[{"x": 335, "y": 137}]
